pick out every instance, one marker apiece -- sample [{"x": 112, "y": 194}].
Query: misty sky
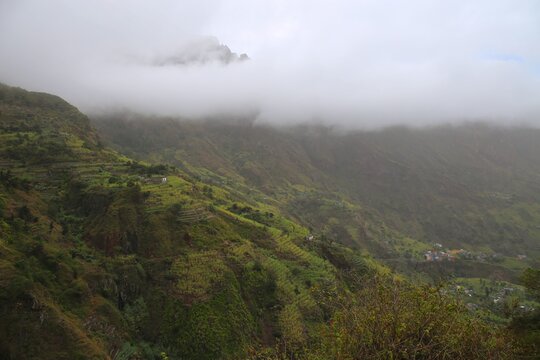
[{"x": 348, "y": 62}]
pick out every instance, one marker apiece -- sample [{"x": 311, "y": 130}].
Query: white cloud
[{"x": 354, "y": 62}]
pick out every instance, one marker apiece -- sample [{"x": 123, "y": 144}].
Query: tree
[
  {"x": 526, "y": 327},
  {"x": 531, "y": 280}
]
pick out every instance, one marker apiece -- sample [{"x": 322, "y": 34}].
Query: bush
[{"x": 389, "y": 319}]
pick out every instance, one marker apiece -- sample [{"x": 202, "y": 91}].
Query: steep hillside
[
  {"x": 104, "y": 257},
  {"x": 472, "y": 186}
]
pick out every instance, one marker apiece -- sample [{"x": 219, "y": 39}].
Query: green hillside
[
  {"x": 220, "y": 242},
  {"x": 472, "y": 186}
]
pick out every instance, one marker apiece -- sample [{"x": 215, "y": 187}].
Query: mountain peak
[{"x": 202, "y": 51}]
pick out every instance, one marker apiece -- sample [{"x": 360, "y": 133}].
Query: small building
[
  {"x": 164, "y": 180},
  {"x": 428, "y": 256}
]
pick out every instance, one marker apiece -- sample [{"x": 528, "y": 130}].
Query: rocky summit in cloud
[{"x": 201, "y": 51}]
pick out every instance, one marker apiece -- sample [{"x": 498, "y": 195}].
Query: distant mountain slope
[{"x": 471, "y": 185}]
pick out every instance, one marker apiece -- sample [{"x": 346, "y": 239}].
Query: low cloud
[{"x": 355, "y": 63}]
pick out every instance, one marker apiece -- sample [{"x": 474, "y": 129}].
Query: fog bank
[{"x": 352, "y": 63}]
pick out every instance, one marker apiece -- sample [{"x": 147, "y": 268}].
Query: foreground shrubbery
[
  {"x": 391, "y": 319},
  {"x": 527, "y": 326}
]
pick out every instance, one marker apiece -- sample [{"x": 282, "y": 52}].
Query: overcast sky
[{"x": 349, "y": 62}]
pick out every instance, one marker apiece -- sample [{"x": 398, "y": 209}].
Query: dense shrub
[{"x": 389, "y": 319}]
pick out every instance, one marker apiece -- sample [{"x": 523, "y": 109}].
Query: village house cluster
[{"x": 438, "y": 254}]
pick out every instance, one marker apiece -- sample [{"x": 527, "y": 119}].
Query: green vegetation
[
  {"x": 527, "y": 325},
  {"x": 471, "y": 186},
  {"x": 389, "y": 319},
  {"x": 186, "y": 255}
]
